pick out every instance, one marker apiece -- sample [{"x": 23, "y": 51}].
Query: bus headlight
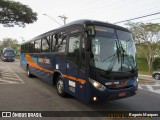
[
  {"x": 137, "y": 79},
  {"x": 97, "y": 85}
]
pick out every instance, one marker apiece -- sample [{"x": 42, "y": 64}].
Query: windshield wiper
[
  {"x": 113, "y": 61},
  {"x": 122, "y": 54},
  {"x": 111, "y": 65}
]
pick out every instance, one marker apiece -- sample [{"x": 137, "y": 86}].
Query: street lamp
[
  {"x": 52, "y": 19},
  {"x": 63, "y": 18}
]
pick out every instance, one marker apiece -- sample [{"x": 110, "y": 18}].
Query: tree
[
  {"x": 9, "y": 42},
  {"x": 147, "y": 39},
  {"x": 14, "y": 13}
]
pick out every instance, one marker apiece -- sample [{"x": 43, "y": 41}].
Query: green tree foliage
[
  {"x": 147, "y": 39},
  {"x": 14, "y": 13},
  {"x": 9, "y": 42}
]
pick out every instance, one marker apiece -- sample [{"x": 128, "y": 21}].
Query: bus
[
  {"x": 88, "y": 59},
  {"x": 8, "y": 54}
]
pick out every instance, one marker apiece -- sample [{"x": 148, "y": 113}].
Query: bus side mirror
[{"x": 88, "y": 31}]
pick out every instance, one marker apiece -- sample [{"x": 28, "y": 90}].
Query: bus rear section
[{"x": 90, "y": 60}]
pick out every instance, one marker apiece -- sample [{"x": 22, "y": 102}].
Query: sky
[{"x": 111, "y": 11}]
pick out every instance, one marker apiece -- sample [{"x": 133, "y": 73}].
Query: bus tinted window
[
  {"x": 26, "y": 48},
  {"x": 9, "y": 53},
  {"x": 53, "y": 41},
  {"x": 37, "y": 48},
  {"x": 22, "y": 48},
  {"x": 45, "y": 45},
  {"x": 31, "y": 47},
  {"x": 59, "y": 42},
  {"x": 74, "y": 43}
]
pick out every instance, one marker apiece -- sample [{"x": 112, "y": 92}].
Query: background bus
[
  {"x": 90, "y": 60},
  {"x": 8, "y": 54}
]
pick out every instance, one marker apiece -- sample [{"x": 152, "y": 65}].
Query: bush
[{"x": 142, "y": 64}]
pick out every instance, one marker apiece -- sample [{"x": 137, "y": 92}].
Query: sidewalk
[
  {"x": 146, "y": 79},
  {"x": 147, "y": 83}
]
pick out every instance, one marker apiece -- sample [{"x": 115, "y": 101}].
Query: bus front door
[{"x": 73, "y": 65}]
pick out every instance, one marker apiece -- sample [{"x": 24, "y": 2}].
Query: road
[{"x": 20, "y": 93}]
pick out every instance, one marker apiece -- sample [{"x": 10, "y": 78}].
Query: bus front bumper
[
  {"x": 9, "y": 59},
  {"x": 109, "y": 95}
]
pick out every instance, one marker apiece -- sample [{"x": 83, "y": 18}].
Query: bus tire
[
  {"x": 28, "y": 72},
  {"x": 60, "y": 87}
]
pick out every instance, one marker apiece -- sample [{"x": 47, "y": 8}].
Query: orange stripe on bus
[
  {"x": 33, "y": 64},
  {"x": 74, "y": 78}
]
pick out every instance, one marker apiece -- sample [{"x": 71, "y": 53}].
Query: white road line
[
  {"x": 10, "y": 76},
  {"x": 7, "y": 82},
  {"x": 5, "y": 71},
  {"x": 150, "y": 88},
  {"x": 156, "y": 91},
  {"x": 139, "y": 87},
  {"x": 16, "y": 75}
]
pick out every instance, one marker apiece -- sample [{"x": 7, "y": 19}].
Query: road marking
[
  {"x": 8, "y": 76},
  {"x": 7, "y": 81},
  {"x": 152, "y": 88},
  {"x": 16, "y": 75}
]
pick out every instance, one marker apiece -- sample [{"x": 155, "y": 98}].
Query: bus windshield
[
  {"x": 112, "y": 50},
  {"x": 9, "y": 53}
]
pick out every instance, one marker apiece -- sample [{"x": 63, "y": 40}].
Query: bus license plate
[{"x": 122, "y": 94}]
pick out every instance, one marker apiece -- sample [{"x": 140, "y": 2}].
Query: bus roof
[{"x": 83, "y": 22}]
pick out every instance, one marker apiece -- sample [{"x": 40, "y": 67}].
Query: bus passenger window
[
  {"x": 22, "y": 48},
  {"x": 74, "y": 43},
  {"x": 45, "y": 45},
  {"x": 61, "y": 45},
  {"x": 53, "y": 41},
  {"x": 26, "y": 48},
  {"x": 31, "y": 47},
  {"x": 59, "y": 42},
  {"x": 37, "y": 46}
]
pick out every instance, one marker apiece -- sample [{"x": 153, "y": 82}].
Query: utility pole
[
  {"x": 63, "y": 18},
  {"x": 52, "y": 18}
]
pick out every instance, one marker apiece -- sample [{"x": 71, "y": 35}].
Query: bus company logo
[
  {"x": 44, "y": 60},
  {"x": 6, "y": 114}
]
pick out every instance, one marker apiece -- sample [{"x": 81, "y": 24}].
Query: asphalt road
[{"x": 20, "y": 93}]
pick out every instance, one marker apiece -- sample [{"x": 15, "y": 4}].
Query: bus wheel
[
  {"x": 28, "y": 72},
  {"x": 60, "y": 87}
]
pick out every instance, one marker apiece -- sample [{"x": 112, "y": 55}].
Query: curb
[{"x": 145, "y": 81}]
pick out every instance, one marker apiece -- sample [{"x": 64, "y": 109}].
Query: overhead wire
[
  {"x": 98, "y": 6},
  {"x": 130, "y": 15},
  {"x": 137, "y": 17},
  {"x": 152, "y": 19}
]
